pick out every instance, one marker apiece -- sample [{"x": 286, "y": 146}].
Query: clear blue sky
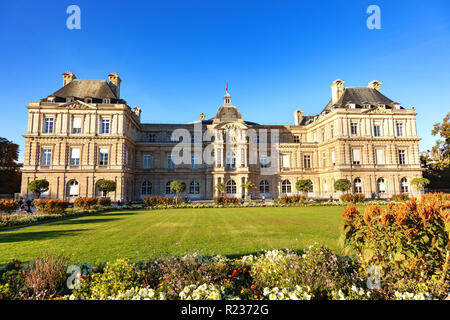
[{"x": 175, "y": 57}]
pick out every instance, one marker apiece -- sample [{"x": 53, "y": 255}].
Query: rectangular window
[
  {"x": 401, "y": 157},
  {"x": 194, "y": 162},
  {"x": 256, "y": 138},
  {"x": 48, "y": 125},
  {"x": 285, "y": 161},
  {"x": 331, "y": 131},
  {"x": 356, "y": 156},
  {"x": 105, "y": 126},
  {"x": 170, "y": 163},
  {"x": 399, "y": 127},
  {"x": 151, "y": 138},
  {"x": 333, "y": 160},
  {"x": 314, "y": 137},
  {"x": 243, "y": 157},
  {"x": 75, "y": 157},
  {"x": 323, "y": 135},
  {"x": 147, "y": 161},
  {"x": 307, "y": 161},
  {"x": 324, "y": 160},
  {"x": 76, "y": 125},
  {"x": 263, "y": 161},
  {"x": 104, "y": 156},
  {"x": 380, "y": 156},
  {"x": 46, "y": 157},
  {"x": 297, "y": 139},
  {"x": 354, "y": 128},
  {"x": 377, "y": 129}
]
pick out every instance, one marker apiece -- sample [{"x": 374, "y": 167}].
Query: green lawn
[{"x": 142, "y": 234}]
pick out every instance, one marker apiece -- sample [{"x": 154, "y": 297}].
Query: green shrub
[
  {"x": 51, "y": 206},
  {"x": 226, "y": 201},
  {"x": 155, "y": 201},
  {"x": 353, "y": 198},
  {"x": 104, "y": 202},
  {"x": 86, "y": 203},
  {"x": 400, "y": 197},
  {"x": 407, "y": 240},
  {"x": 118, "y": 276}
]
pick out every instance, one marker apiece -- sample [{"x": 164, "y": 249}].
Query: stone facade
[{"x": 85, "y": 132}]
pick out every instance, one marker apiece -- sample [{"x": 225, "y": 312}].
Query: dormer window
[
  {"x": 50, "y": 99},
  {"x": 383, "y": 106},
  {"x": 107, "y": 101},
  {"x": 88, "y": 100},
  {"x": 366, "y": 106},
  {"x": 69, "y": 99},
  {"x": 352, "y": 106}
]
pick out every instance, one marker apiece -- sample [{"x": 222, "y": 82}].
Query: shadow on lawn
[
  {"x": 84, "y": 221},
  {"x": 120, "y": 214},
  {"x": 35, "y": 236}
]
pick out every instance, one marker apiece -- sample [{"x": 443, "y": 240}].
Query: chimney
[
  {"x": 337, "y": 89},
  {"x": 137, "y": 112},
  {"x": 68, "y": 77},
  {"x": 375, "y": 85},
  {"x": 114, "y": 83},
  {"x": 298, "y": 117}
]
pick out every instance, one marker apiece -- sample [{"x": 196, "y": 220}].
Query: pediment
[
  {"x": 378, "y": 110},
  {"x": 77, "y": 104},
  {"x": 234, "y": 125}
]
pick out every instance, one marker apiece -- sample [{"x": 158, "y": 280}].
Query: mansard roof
[
  {"x": 359, "y": 96},
  {"x": 80, "y": 88}
]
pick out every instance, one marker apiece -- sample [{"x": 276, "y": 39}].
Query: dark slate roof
[
  {"x": 359, "y": 97},
  {"x": 79, "y": 88}
]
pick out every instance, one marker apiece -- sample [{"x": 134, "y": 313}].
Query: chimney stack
[
  {"x": 337, "y": 89},
  {"x": 68, "y": 77},
  {"x": 375, "y": 85},
  {"x": 137, "y": 112},
  {"x": 114, "y": 83},
  {"x": 298, "y": 117}
]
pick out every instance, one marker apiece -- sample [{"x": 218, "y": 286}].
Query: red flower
[
  {"x": 253, "y": 287},
  {"x": 234, "y": 274}
]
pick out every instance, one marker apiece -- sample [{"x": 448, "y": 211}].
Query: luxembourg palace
[{"x": 85, "y": 132}]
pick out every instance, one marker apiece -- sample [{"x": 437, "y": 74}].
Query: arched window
[
  {"x": 231, "y": 187},
  {"x": 404, "y": 185},
  {"x": 168, "y": 190},
  {"x": 264, "y": 186},
  {"x": 72, "y": 189},
  {"x": 381, "y": 185},
  {"x": 286, "y": 186},
  {"x": 194, "y": 188},
  {"x": 146, "y": 188},
  {"x": 231, "y": 159},
  {"x": 357, "y": 185}
]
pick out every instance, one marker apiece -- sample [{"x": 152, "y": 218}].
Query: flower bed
[{"x": 317, "y": 273}]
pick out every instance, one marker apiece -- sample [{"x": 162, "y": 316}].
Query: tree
[
  {"x": 178, "y": 187},
  {"x": 342, "y": 185},
  {"x": 106, "y": 186},
  {"x": 420, "y": 183},
  {"x": 304, "y": 185},
  {"x": 220, "y": 187},
  {"x": 10, "y": 174},
  {"x": 38, "y": 187},
  {"x": 248, "y": 186},
  {"x": 442, "y": 148}
]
